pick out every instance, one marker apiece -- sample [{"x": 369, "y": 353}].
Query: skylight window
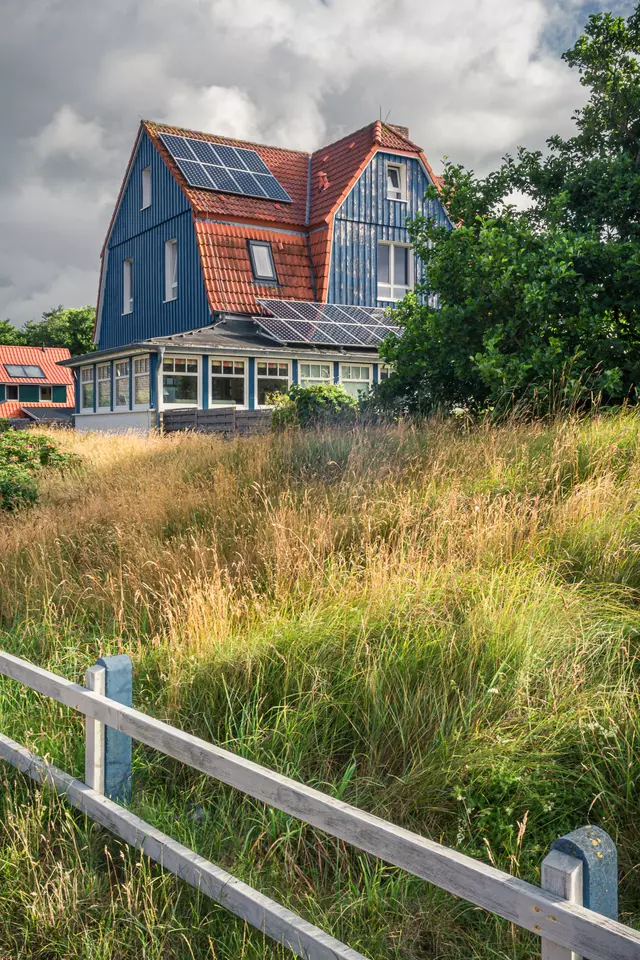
[
  {"x": 26, "y": 371},
  {"x": 262, "y": 261}
]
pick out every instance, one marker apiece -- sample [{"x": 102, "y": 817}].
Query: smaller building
[{"x": 33, "y": 386}]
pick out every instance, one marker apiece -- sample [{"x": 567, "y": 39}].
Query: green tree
[
  {"x": 546, "y": 299},
  {"x": 63, "y": 327},
  {"x": 10, "y": 335}
]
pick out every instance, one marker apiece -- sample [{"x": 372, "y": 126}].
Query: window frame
[
  {"x": 13, "y": 387},
  {"x": 315, "y": 381},
  {"x": 139, "y": 359},
  {"x": 127, "y": 286},
  {"x": 122, "y": 376},
  {"x": 87, "y": 380},
  {"x": 145, "y": 177},
  {"x": 259, "y": 277},
  {"x": 360, "y": 366},
  {"x": 257, "y": 377},
  {"x": 410, "y": 271},
  {"x": 402, "y": 169},
  {"x": 384, "y": 367},
  {"x": 170, "y": 260},
  {"x": 49, "y": 399},
  {"x": 101, "y": 377},
  {"x": 229, "y": 376},
  {"x": 197, "y": 403}
]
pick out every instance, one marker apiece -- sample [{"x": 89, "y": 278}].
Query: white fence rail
[{"x": 563, "y": 925}]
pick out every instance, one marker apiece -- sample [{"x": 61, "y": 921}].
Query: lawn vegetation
[{"x": 435, "y": 622}]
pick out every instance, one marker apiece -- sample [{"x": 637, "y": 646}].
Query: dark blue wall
[
  {"x": 141, "y": 235},
  {"x": 364, "y": 218}
]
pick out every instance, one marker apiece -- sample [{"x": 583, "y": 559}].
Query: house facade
[
  {"x": 33, "y": 385},
  {"x": 231, "y": 270}
]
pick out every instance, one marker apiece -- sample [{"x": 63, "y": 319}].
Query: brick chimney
[{"x": 403, "y": 131}]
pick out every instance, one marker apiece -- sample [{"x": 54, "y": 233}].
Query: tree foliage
[
  {"x": 544, "y": 300},
  {"x": 59, "y": 327}
]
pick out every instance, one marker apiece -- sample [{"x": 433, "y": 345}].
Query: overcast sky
[{"x": 472, "y": 79}]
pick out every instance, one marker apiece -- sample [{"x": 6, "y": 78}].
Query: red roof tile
[
  {"x": 13, "y": 408},
  {"x": 226, "y": 266},
  {"x": 44, "y": 357}
]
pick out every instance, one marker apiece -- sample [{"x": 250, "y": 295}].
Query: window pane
[
  {"x": 180, "y": 365},
  {"x": 393, "y": 178},
  {"x": 383, "y": 263},
  {"x": 122, "y": 369},
  {"x": 305, "y": 369},
  {"x": 227, "y": 366},
  {"x": 86, "y": 374},
  {"x": 284, "y": 369},
  {"x": 262, "y": 368},
  {"x": 142, "y": 365},
  {"x": 142, "y": 389},
  {"x": 45, "y": 393},
  {"x": 262, "y": 261},
  {"x": 353, "y": 388},
  {"x": 192, "y": 366},
  {"x": 167, "y": 364},
  {"x": 400, "y": 264},
  {"x": 122, "y": 392},
  {"x": 87, "y": 395},
  {"x": 239, "y": 366},
  {"x": 270, "y": 385},
  {"x": 180, "y": 389},
  {"x": 216, "y": 366},
  {"x": 104, "y": 372},
  {"x": 104, "y": 393},
  {"x": 273, "y": 369},
  {"x": 227, "y": 390}
]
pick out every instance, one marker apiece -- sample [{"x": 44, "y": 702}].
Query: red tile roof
[
  {"x": 44, "y": 357},
  {"x": 227, "y": 268},
  {"x": 13, "y": 408}
]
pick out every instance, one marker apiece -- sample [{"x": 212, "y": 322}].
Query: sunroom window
[
  {"x": 104, "y": 385},
  {"x": 312, "y": 374},
  {"x": 86, "y": 388},
  {"x": 355, "y": 379},
  {"x": 394, "y": 270},
  {"x": 228, "y": 378},
  {"x": 122, "y": 383},
  {"x": 141, "y": 382},
  {"x": 272, "y": 376},
  {"x": 180, "y": 380}
]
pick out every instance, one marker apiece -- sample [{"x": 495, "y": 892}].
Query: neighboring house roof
[
  {"x": 48, "y": 412},
  {"x": 46, "y": 358},
  {"x": 300, "y": 231},
  {"x": 13, "y": 409}
]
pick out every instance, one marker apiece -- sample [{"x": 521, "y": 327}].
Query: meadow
[{"x": 436, "y": 622}]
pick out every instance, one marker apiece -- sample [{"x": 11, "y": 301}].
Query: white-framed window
[
  {"x": 127, "y": 286},
  {"x": 45, "y": 393},
  {"x": 180, "y": 381},
  {"x": 355, "y": 378},
  {"x": 384, "y": 371},
  {"x": 121, "y": 371},
  {"x": 171, "y": 269},
  {"x": 11, "y": 392},
  {"x": 396, "y": 181},
  {"x": 228, "y": 381},
  {"x": 311, "y": 374},
  {"x": 272, "y": 376},
  {"x": 262, "y": 263},
  {"x": 395, "y": 270},
  {"x": 141, "y": 382},
  {"x": 104, "y": 384},
  {"x": 86, "y": 388},
  {"x": 146, "y": 187}
]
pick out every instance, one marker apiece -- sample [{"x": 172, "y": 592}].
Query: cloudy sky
[{"x": 471, "y": 78}]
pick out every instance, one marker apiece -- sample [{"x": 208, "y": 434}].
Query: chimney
[{"x": 403, "y": 131}]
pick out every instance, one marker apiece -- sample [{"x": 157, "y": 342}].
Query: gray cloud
[{"x": 471, "y": 78}]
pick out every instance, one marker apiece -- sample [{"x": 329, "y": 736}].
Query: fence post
[
  {"x": 581, "y": 867},
  {"x": 94, "y": 735},
  {"x": 117, "y": 745}
]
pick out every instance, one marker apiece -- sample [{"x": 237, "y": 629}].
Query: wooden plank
[
  {"x": 282, "y": 925},
  {"x": 546, "y": 914},
  {"x": 561, "y": 874},
  {"x": 94, "y": 734}
]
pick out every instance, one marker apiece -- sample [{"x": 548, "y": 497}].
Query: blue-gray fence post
[
  {"x": 582, "y": 867},
  {"x": 117, "y": 746}
]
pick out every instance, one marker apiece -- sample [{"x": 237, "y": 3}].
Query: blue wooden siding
[
  {"x": 365, "y": 217},
  {"x": 140, "y": 235}
]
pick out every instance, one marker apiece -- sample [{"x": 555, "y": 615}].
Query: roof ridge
[{"x": 222, "y": 136}]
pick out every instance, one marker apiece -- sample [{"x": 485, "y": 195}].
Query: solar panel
[
  {"x": 217, "y": 166},
  {"x": 322, "y": 331},
  {"x": 334, "y": 312}
]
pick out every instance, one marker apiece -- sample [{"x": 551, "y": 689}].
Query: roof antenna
[{"x": 387, "y": 116}]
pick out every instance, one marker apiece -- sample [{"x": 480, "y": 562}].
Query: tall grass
[{"x": 437, "y": 624}]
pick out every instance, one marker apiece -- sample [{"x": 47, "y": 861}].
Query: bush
[
  {"x": 313, "y": 406},
  {"x": 18, "y": 486},
  {"x": 5, "y": 423}
]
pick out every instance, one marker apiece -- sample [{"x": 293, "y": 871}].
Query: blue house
[{"x": 231, "y": 270}]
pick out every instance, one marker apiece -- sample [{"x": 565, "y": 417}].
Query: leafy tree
[
  {"x": 60, "y": 327},
  {"x": 10, "y": 335},
  {"x": 546, "y": 299}
]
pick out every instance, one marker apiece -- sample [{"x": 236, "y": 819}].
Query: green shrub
[
  {"x": 5, "y": 423},
  {"x": 313, "y": 406},
  {"x": 18, "y": 486}
]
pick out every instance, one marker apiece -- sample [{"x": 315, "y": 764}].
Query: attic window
[
  {"x": 146, "y": 187},
  {"x": 27, "y": 371},
  {"x": 396, "y": 181},
  {"x": 262, "y": 261}
]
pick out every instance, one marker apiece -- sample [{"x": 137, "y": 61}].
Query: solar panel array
[
  {"x": 327, "y": 324},
  {"x": 217, "y": 166}
]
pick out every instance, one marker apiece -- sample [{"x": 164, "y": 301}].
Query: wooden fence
[
  {"x": 575, "y": 909},
  {"x": 225, "y": 420}
]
